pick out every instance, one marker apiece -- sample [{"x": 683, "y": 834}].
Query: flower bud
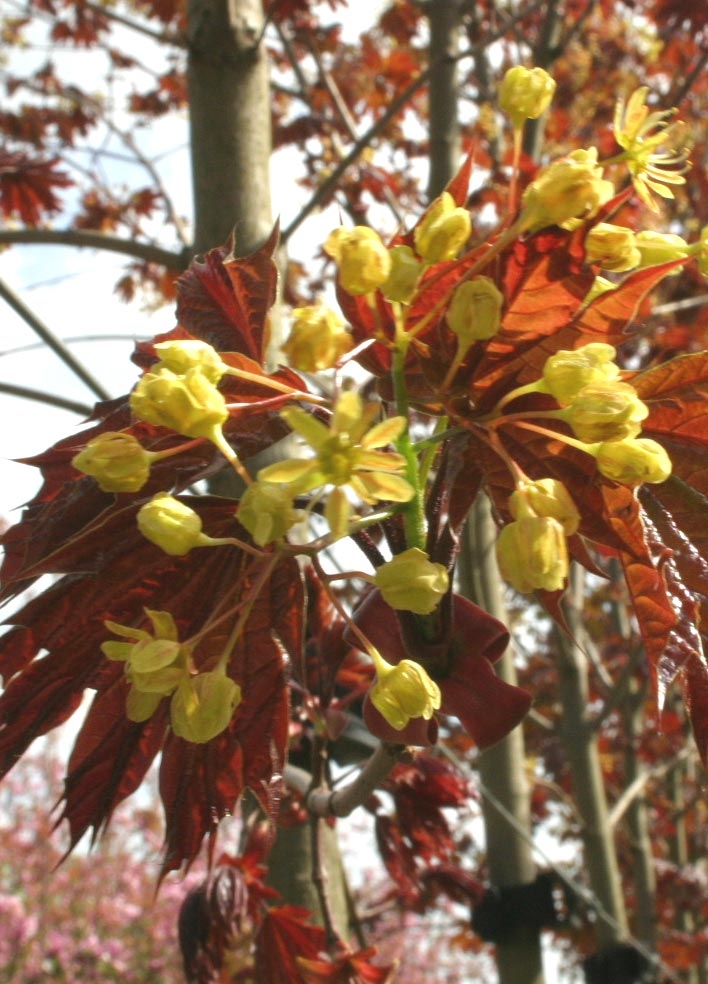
[
  {"x": 188, "y": 404},
  {"x": 180, "y": 355},
  {"x": 474, "y": 313},
  {"x": 600, "y": 286},
  {"x": 525, "y": 93},
  {"x": 171, "y": 525},
  {"x": 703, "y": 252},
  {"x": 402, "y": 280},
  {"x": 443, "y": 230},
  {"x": 613, "y": 247},
  {"x": 403, "y": 692},
  {"x": 363, "y": 260},
  {"x": 117, "y": 461},
  {"x": 266, "y": 511},
  {"x": 203, "y": 705},
  {"x": 317, "y": 339},
  {"x": 568, "y": 189},
  {"x": 532, "y": 553},
  {"x": 568, "y": 371},
  {"x": 660, "y": 247},
  {"x": 411, "y": 582},
  {"x": 632, "y": 462},
  {"x": 546, "y": 497},
  {"x": 606, "y": 412}
]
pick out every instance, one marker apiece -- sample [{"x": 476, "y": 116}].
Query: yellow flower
[
  {"x": 532, "y": 553},
  {"x": 187, "y": 403},
  {"x": 317, "y": 339},
  {"x": 569, "y": 189},
  {"x": 403, "y": 692},
  {"x": 443, "y": 230},
  {"x": 613, "y": 247},
  {"x": 642, "y": 135},
  {"x": 525, "y": 93},
  {"x": 606, "y": 411},
  {"x": 181, "y": 355},
  {"x": 633, "y": 461},
  {"x": 171, "y": 525},
  {"x": 266, "y": 511},
  {"x": 568, "y": 371},
  {"x": 660, "y": 247},
  {"x": 600, "y": 286},
  {"x": 403, "y": 278},
  {"x": 117, "y": 461},
  {"x": 411, "y": 582},
  {"x": 363, "y": 260},
  {"x": 346, "y": 454},
  {"x": 474, "y": 313},
  {"x": 203, "y": 705},
  {"x": 545, "y": 497},
  {"x": 155, "y": 662}
]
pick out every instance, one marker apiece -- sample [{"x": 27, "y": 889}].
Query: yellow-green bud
[
  {"x": 411, "y": 582},
  {"x": 568, "y": 371},
  {"x": 606, "y": 412},
  {"x": 317, "y": 340},
  {"x": 600, "y": 286},
  {"x": 545, "y": 497},
  {"x": 403, "y": 692},
  {"x": 569, "y": 189},
  {"x": 532, "y": 554},
  {"x": 613, "y": 247},
  {"x": 187, "y": 403},
  {"x": 203, "y": 705},
  {"x": 525, "y": 93},
  {"x": 660, "y": 247},
  {"x": 266, "y": 511},
  {"x": 364, "y": 262},
  {"x": 171, "y": 525},
  {"x": 180, "y": 355},
  {"x": 474, "y": 313},
  {"x": 443, "y": 230},
  {"x": 117, "y": 461},
  {"x": 632, "y": 462},
  {"x": 703, "y": 252},
  {"x": 402, "y": 280}
]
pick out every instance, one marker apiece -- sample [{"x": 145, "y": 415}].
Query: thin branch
[
  {"x": 164, "y": 37},
  {"x": 85, "y": 239},
  {"x": 635, "y": 789},
  {"x": 25, "y": 393},
  {"x": 54, "y": 343},
  {"x": 342, "y": 802}
]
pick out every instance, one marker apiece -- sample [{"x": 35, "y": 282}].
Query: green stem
[{"x": 413, "y": 512}]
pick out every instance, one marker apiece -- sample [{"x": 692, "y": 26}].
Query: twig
[
  {"x": 24, "y": 393},
  {"x": 54, "y": 343},
  {"x": 342, "y": 802},
  {"x": 635, "y": 788}
]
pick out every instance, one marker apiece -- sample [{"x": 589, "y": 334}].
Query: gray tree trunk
[{"x": 230, "y": 123}]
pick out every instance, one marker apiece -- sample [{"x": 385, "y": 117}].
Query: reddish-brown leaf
[
  {"x": 28, "y": 186},
  {"x": 286, "y": 934}
]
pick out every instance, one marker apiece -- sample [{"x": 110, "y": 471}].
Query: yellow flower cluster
[{"x": 158, "y": 665}]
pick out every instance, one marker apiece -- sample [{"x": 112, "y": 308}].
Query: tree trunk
[
  {"x": 584, "y": 761},
  {"x": 230, "y": 129},
  {"x": 443, "y": 126},
  {"x": 502, "y": 768}
]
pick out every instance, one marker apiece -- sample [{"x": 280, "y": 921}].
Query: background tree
[{"x": 354, "y": 134}]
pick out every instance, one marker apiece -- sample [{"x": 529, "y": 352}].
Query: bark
[
  {"x": 444, "y": 132},
  {"x": 230, "y": 130},
  {"x": 584, "y": 762},
  {"x": 502, "y": 768}
]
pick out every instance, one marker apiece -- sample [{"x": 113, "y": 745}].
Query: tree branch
[
  {"x": 342, "y": 802},
  {"x": 85, "y": 239},
  {"x": 25, "y": 393},
  {"x": 54, "y": 343}
]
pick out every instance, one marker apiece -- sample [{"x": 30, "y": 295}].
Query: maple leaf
[
  {"x": 27, "y": 186},
  {"x": 351, "y": 968},
  {"x": 286, "y": 935}
]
